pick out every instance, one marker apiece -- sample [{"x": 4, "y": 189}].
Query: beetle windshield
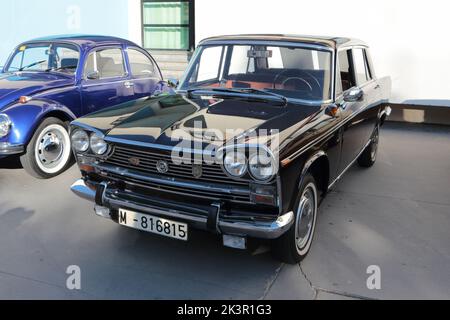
[
  {"x": 293, "y": 72},
  {"x": 45, "y": 57}
]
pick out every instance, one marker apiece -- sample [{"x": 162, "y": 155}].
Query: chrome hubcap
[
  {"x": 50, "y": 148},
  {"x": 305, "y": 218}
]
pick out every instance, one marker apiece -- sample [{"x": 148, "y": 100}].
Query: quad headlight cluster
[
  {"x": 5, "y": 125},
  {"x": 82, "y": 141},
  {"x": 261, "y": 165}
]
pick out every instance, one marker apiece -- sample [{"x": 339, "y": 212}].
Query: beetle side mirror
[
  {"x": 173, "y": 83},
  {"x": 353, "y": 95},
  {"x": 93, "y": 75}
]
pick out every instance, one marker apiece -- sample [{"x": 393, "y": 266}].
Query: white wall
[
  {"x": 409, "y": 40},
  {"x": 135, "y": 21}
]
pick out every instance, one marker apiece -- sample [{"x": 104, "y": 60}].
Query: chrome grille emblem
[
  {"x": 162, "y": 166},
  {"x": 134, "y": 161},
  {"x": 197, "y": 171}
]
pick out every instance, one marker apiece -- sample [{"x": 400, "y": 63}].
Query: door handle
[{"x": 128, "y": 84}]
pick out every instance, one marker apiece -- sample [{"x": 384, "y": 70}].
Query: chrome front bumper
[
  {"x": 262, "y": 230},
  {"x": 7, "y": 149}
]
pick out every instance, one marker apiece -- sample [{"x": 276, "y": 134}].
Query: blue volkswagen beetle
[{"x": 48, "y": 82}]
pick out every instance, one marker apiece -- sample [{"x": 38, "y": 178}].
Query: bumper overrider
[
  {"x": 8, "y": 149},
  {"x": 109, "y": 200}
]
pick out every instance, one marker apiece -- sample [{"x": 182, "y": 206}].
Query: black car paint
[{"x": 311, "y": 138}]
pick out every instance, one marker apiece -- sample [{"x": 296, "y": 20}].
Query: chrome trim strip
[
  {"x": 349, "y": 166},
  {"x": 156, "y": 146},
  {"x": 172, "y": 182},
  {"x": 7, "y": 149}
]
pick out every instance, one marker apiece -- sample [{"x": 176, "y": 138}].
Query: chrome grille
[{"x": 148, "y": 159}]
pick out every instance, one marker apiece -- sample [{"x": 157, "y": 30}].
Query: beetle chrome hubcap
[
  {"x": 305, "y": 217},
  {"x": 52, "y": 148}
]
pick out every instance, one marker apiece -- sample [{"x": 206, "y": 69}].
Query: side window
[
  {"x": 362, "y": 73},
  {"x": 346, "y": 74},
  {"x": 240, "y": 63},
  {"x": 141, "y": 66},
  {"x": 210, "y": 62},
  {"x": 108, "y": 63}
]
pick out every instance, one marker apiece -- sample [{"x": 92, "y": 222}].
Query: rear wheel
[
  {"x": 295, "y": 244},
  {"x": 48, "y": 154},
  {"x": 369, "y": 156}
]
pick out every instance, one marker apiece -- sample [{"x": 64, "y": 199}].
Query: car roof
[
  {"x": 333, "y": 42},
  {"x": 84, "y": 40}
]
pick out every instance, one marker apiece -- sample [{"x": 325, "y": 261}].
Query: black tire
[
  {"x": 30, "y": 160},
  {"x": 290, "y": 248},
  {"x": 368, "y": 158}
]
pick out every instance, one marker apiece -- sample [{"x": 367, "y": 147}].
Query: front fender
[{"x": 25, "y": 118}]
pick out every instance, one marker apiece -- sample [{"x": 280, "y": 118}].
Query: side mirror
[
  {"x": 353, "y": 95},
  {"x": 93, "y": 75},
  {"x": 173, "y": 83},
  {"x": 1, "y": 69}
]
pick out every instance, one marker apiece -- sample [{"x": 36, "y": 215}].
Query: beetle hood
[
  {"x": 15, "y": 85},
  {"x": 164, "y": 120}
]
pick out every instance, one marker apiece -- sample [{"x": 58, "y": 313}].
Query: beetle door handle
[{"x": 128, "y": 84}]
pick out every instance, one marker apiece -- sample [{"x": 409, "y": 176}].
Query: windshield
[
  {"x": 293, "y": 72},
  {"x": 45, "y": 57}
]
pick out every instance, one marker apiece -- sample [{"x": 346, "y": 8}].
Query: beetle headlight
[
  {"x": 80, "y": 141},
  {"x": 5, "y": 125},
  {"x": 235, "y": 163},
  {"x": 98, "y": 145},
  {"x": 262, "y": 166}
]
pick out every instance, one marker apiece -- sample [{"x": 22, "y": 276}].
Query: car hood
[
  {"x": 164, "y": 120},
  {"x": 15, "y": 85}
]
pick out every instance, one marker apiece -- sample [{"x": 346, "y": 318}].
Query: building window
[{"x": 168, "y": 24}]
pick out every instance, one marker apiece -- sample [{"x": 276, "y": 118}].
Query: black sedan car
[{"x": 261, "y": 127}]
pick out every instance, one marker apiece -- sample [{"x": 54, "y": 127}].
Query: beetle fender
[{"x": 25, "y": 118}]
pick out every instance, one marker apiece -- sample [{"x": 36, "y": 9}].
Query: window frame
[
  {"x": 301, "y": 45},
  {"x": 145, "y": 53},
  {"x": 366, "y": 66},
  {"x": 103, "y": 48},
  {"x": 190, "y": 25},
  {"x": 9, "y": 61},
  {"x": 368, "y": 63}
]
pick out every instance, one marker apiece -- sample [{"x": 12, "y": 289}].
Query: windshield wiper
[
  {"x": 32, "y": 65},
  {"x": 61, "y": 68},
  {"x": 242, "y": 91}
]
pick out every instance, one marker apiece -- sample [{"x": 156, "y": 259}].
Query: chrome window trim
[
  {"x": 102, "y": 48},
  {"x": 300, "y": 45}
]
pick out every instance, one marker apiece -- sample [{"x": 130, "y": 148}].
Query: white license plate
[{"x": 153, "y": 224}]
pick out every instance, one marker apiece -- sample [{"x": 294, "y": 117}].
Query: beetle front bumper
[
  {"x": 255, "y": 229},
  {"x": 7, "y": 149}
]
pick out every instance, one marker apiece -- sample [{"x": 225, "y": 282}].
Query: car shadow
[{"x": 10, "y": 163}]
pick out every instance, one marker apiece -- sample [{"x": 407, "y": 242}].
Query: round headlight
[
  {"x": 5, "y": 125},
  {"x": 235, "y": 163},
  {"x": 262, "y": 166},
  {"x": 98, "y": 145},
  {"x": 80, "y": 141}
]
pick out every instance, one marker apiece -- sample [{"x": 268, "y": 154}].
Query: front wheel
[
  {"x": 48, "y": 154},
  {"x": 295, "y": 244}
]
